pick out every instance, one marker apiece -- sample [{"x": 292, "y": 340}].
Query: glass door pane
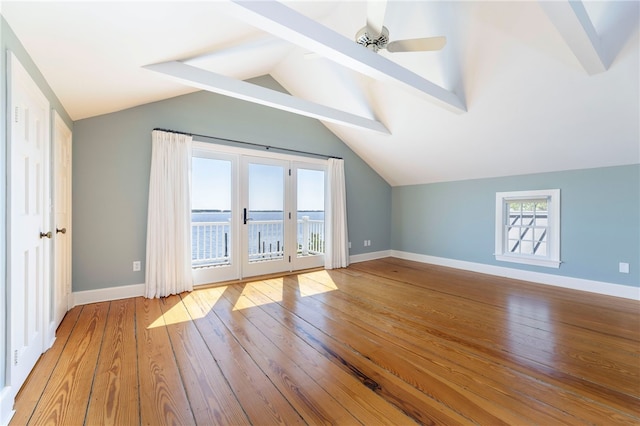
[
  {"x": 212, "y": 230},
  {"x": 310, "y": 217},
  {"x": 264, "y": 217}
]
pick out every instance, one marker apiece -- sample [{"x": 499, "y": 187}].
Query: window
[{"x": 528, "y": 227}]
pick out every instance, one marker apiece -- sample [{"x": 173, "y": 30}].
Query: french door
[
  {"x": 255, "y": 215},
  {"x": 265, "y": 216}
]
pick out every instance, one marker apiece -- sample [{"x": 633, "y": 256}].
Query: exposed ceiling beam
[
  {"x": 249, "y": 47},
  {"x": 286, "y": 23},
  {"x": 573, "y": 22},
  {"x": 217, "y": 83}
]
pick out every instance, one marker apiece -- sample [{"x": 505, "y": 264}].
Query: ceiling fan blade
[
  {"x": 417, "y": 44},
  {"x": 376, "y": 10}
]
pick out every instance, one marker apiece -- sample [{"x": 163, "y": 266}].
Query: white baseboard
[
  {"x": 369, "y": 256},
  {"x": 106, "y": 294},
  {"x": 7, "y": 398},
  {"x": 609, "y": 289}
]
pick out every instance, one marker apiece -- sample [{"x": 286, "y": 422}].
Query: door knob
[
  {"x": 45, "y": 234},
  {"x": 61, "y": 231}
]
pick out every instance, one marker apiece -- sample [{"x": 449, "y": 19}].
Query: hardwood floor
[{"x": 381, "y": 342}]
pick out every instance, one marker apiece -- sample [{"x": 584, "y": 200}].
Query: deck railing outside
[
  {"x": 310, "y": 236},
  {"x": 211, "y": 241},
  {"x": 265, "y": 240}
]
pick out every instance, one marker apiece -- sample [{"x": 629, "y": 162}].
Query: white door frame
[{"x": 225, "y": 151}]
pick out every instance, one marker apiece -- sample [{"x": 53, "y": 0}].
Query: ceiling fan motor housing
[{"x": 364, "y": 38}]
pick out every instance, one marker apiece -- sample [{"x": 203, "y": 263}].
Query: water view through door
[
  {"x": 265, "y": 229},
  {"x": 253, "y": 216}
]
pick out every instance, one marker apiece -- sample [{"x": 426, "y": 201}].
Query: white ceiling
[{"x": 531, "y": 104}]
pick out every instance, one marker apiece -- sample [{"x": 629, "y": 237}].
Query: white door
[
  {"x": 62, "y": 220},
  {"x": 266, "y": 216},
  {"x": 30, "y": 237}
]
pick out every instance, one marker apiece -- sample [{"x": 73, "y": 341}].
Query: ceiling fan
[{"x": 375, "y": 35}]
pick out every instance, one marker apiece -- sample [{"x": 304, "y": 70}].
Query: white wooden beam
[
  {"x": 217, "y": 83},
  {"x": 573, "y": 23},
  {"x": 286, "y": 23}
]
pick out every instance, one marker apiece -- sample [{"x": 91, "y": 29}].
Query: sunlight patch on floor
[
  {"x": 178, "y": 313},
  {"x": 259, "y": 293},
  {"x": 314, "y": 283}
]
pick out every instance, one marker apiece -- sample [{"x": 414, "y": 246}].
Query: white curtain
[
  {"x": 168, "y": 267},
  {"x": 337, "y": 239}
]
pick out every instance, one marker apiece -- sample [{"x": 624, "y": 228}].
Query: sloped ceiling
[{"x": 531, "y": 103}]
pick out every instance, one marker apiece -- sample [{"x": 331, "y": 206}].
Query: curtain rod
[{"x": 267, "y": 147}]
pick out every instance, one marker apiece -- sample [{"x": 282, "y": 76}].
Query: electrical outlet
[
  {"x": 136, "y": 265},
  {"x": 623, "y": 267},
  {"x": 349, "y": 244}
]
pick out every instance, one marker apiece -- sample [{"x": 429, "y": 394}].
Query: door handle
[
  {"x": 45, "y": 234},
  {"x": 245, "y": 219},
  {"x": 61, "y": 231}
]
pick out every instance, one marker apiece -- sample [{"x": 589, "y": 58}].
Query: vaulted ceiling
[{"x": 520, "y": 87}]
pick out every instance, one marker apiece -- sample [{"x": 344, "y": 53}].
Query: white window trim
[{"x": 553, "y": 198}]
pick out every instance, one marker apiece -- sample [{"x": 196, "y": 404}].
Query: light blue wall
[
  {"x": 600, "y": 220},
  {"x": 9, "y": 42},
  {"x": 111, "y": 162}
]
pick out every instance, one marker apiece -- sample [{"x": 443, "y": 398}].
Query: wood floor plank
[
  {"x": 572, "y": 370},
  {"x": 486, "y": 406},
  {"x": 33, "y": 387},
  {"x": 163, "y": 399},
  {"x": 66, "y": 395},
  {"x": 388, "y": 341},
  {"x": 116, "y": 379},
  {"x": 411, "y": 401},
  {"x": 527, "y": 395},
  {"x": 624, "y": 355},
  {"x": 604, "y": 388},
  {"x": 212, "y": 400},
  {"x": 367, "y": 407},
  {"x": 525, "y": 311},
  {"x": 421, "y": 366},
  {"x": 606, "y": 312},
  {"x": 314, "y": 404},
  {"x": 261, "y": 400},
  {"x": 529, "y": 325}
]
